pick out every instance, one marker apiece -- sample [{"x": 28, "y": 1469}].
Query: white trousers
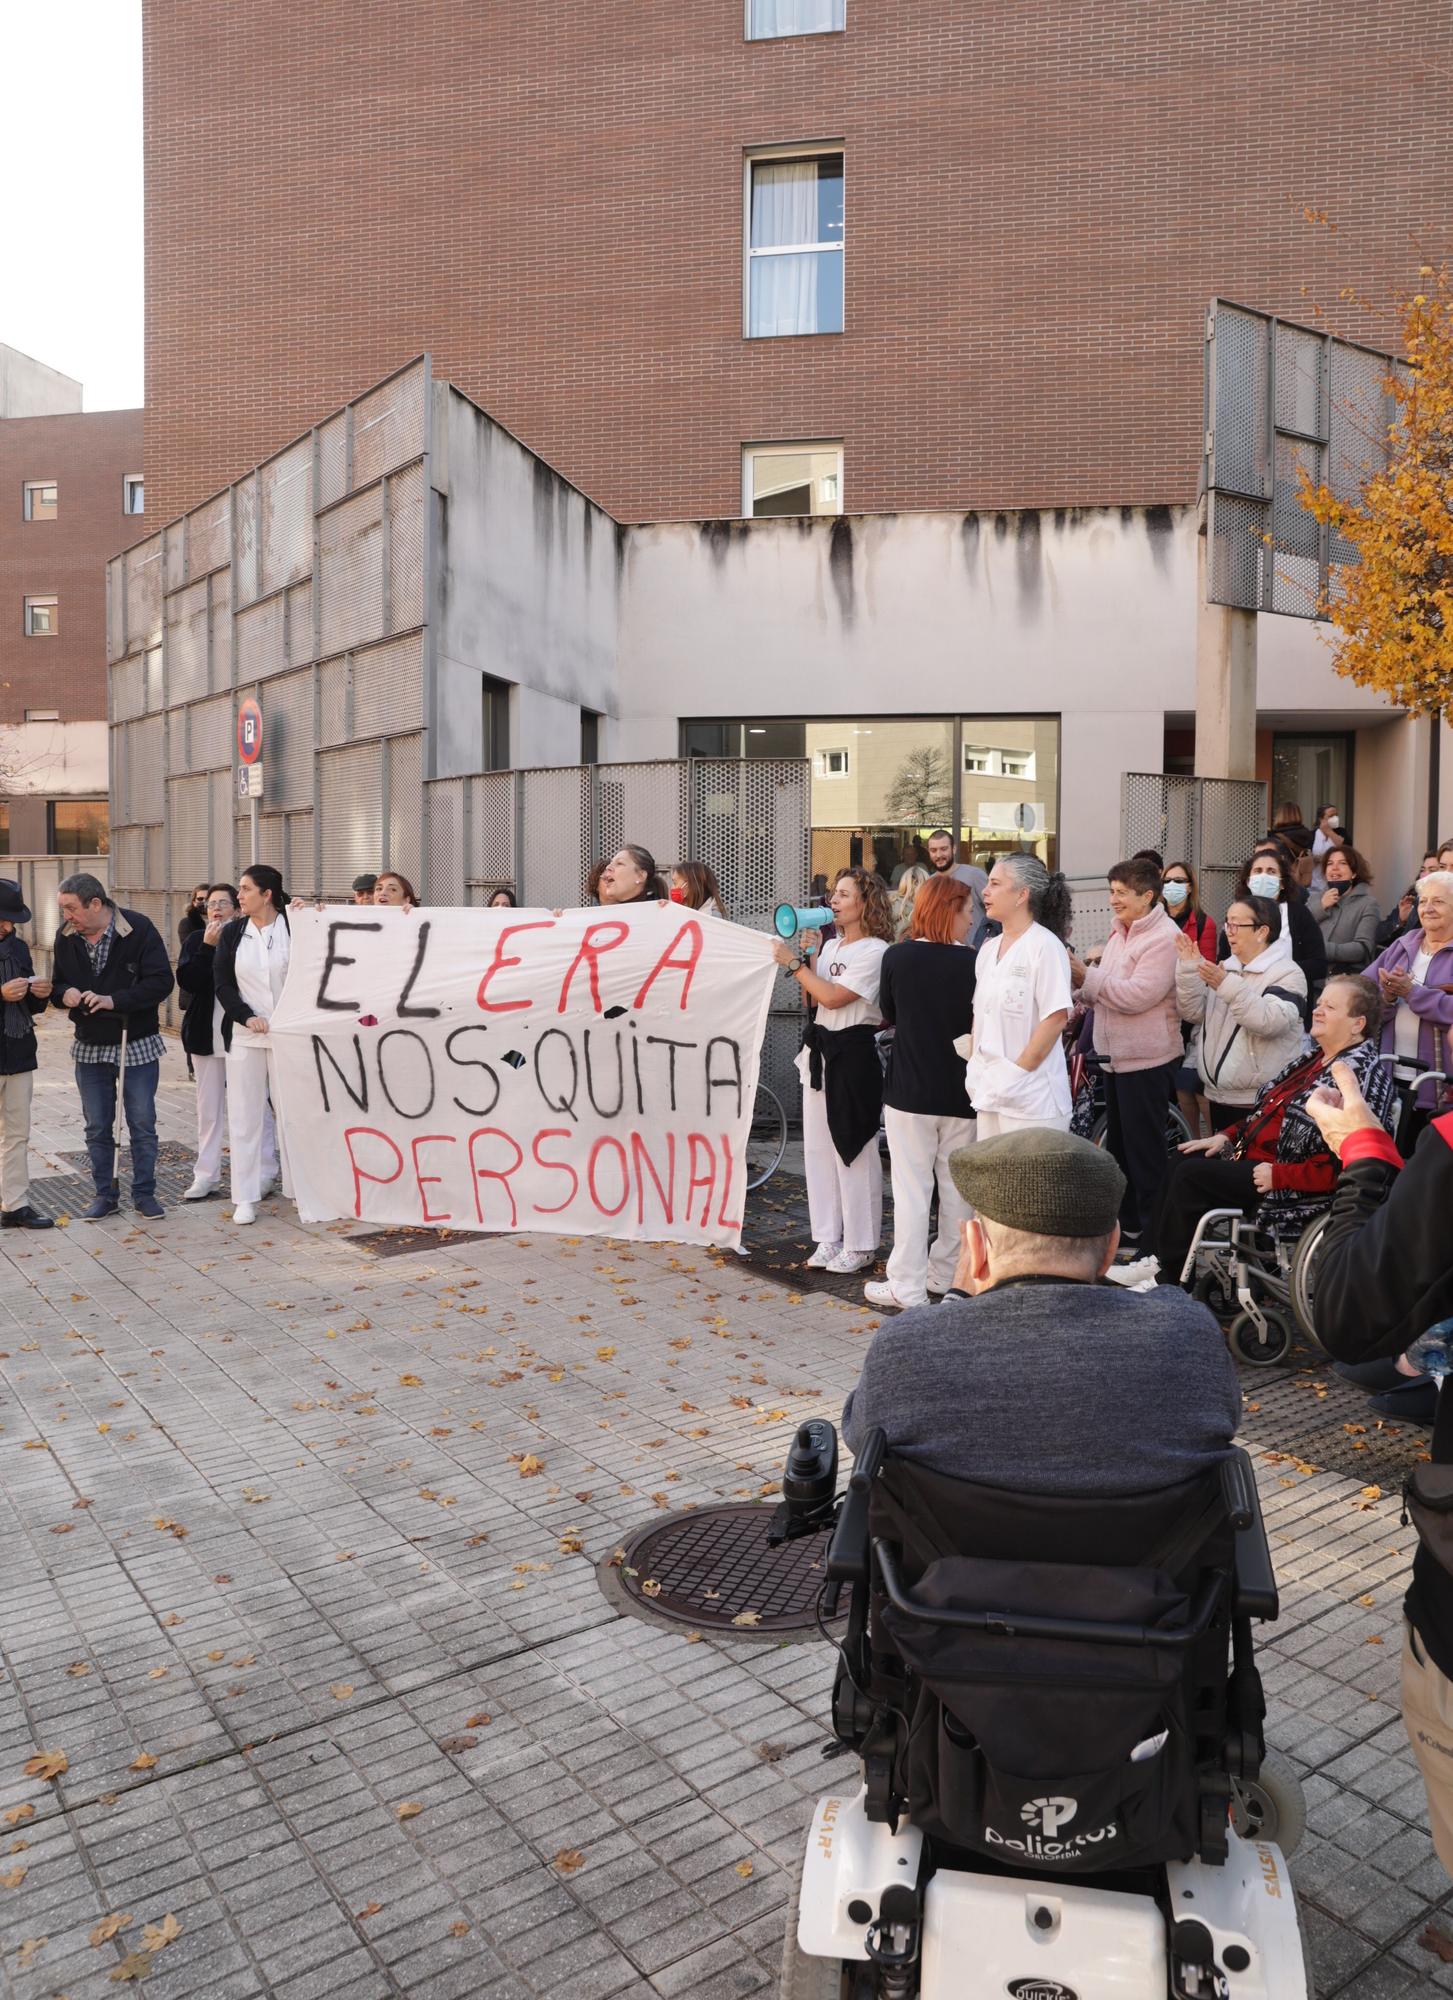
[
  {"x": 993, "y": 1123},
  {"x": 255, "y": 1147},
  {"x": 918, "y": 1150},
  {"x": 211, "y": 1075},
  {"x": 844, "y": 1203}
]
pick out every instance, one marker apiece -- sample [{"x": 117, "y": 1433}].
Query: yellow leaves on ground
[
  {"x": 14, "y": 1878},
  {"x": 530, "y": 1466},
  {"x": 144, "y": 1762},
  {"x": 340, "y": 1690},
  {"x": 480, "y": 1721},
  {"x": 15, "y": 1814},
  {"x": 103, "y": 1932},
  {"x": 745, "y": 1869},
  {"x": 747, "y": 1618},
  {"x": 48, "y": 1764},
  {"x": 29, "y": 1949},
  {"x": 172, "y": 1528},
  {"x": 411, "y": 1381},
  {"x": 410, "y": 1809},
  {"x": 569, "y": 1859}
]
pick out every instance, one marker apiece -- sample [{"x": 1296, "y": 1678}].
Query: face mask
[
  {"x": 678, "y": 894},
  {"x": 1333, "y": 820},
  {"x": 1175, "y": 893},
  {"x": 1264, "y": 885}
]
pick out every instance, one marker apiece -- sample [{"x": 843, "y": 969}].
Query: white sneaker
[
  {"x": 200, "y": 1189},
  {"x": 884, "y": 1296},
  {"x": 244, "y": 1211},
  {"x": 822, "y": 1256},
  {"x": 847, "y": 1262},
  {"x": 1144, "y": 1270}
]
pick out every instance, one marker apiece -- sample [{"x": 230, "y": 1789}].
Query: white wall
[
  {"x": 54, "y": 759},
  {"x": 30, "y": 389}
]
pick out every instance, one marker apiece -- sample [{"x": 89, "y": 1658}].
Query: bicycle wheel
[{"x": 767, "y": 1140}]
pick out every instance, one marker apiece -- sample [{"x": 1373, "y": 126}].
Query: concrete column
[{"x": 1225, "y": 683}]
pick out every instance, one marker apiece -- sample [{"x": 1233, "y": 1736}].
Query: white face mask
[
  {"x": 1264, "y": 885},
  {"x": 1333, "y": 819},
  {"x": 1175, "y": 893}
]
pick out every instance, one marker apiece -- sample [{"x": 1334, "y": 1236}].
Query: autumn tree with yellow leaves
[{"x": 1393, "y": 607}]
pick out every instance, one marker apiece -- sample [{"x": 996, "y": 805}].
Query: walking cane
[{"x": 116, "y": 1128}]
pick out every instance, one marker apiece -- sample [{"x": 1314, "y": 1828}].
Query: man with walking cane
[{"x": 111, "y": 974}]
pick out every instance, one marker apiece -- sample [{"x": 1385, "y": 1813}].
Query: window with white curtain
[
  {"x": 795, "y": 244},
  {"x": 792, "y": 479},
  {"x": 769, "y": 18}
]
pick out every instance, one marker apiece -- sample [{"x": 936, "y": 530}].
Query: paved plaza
[{"x": 302, "y": 1616}]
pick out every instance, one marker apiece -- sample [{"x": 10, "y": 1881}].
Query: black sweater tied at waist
[{"x": 843, "y": 1063}]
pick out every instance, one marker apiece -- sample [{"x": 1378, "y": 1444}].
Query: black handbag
[{"x": 1428, "y": 1505}]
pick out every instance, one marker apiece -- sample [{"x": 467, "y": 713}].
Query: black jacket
[
  {"x": 235, "y": 1011},
  {"x": 1384, "y": 1276},
  {"x": 191, "y": 922},
  {"x": 137, "y": 975},
  {"x": 194, "y": 978},
  {"x": 18, "y": 1052}
]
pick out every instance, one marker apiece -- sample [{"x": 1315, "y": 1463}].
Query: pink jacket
[{"x": 1133, "y": 993}]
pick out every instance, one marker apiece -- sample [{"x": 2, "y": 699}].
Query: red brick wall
[
  {"x": 88, "y": 455},
  {"x": 1040, "y": 200}
]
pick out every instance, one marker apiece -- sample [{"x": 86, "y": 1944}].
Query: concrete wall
[
  {"x": 30, "y": 389},
  {"x": 1087, "y": 614},
  {"x": 525, "y": 590}
]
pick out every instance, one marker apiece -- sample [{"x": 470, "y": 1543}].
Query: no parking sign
[{"x": 249, "y": 749}]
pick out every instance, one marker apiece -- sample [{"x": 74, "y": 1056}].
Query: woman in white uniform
[
  {"x": 842, "y": 1078},
  {"x": 206, "y": 1032},
  {"x": 250, "y": 970},
  {"x": 1017, "y": 1076}
]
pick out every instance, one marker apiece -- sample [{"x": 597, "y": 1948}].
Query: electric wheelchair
[{"x": 1063, "y": 1790}]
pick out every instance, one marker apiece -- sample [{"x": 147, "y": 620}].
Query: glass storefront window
[
  {"x": 882, "y": 784},
  {"x": 1312, "y": 772}
]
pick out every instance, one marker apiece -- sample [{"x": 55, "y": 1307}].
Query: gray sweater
[{"x": 1052, "y": 1387}]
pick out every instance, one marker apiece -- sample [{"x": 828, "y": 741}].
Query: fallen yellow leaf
[
  {"x": 145, "y": 1762},
  {"x": 340, "y": 1690},
  {"x": 744, "y": 1869},
  {"x": 410, "y": 1809},
  {"x": 48, "y": 1764},
  {"x": 154, "y": 1936},
  {"x": 569, "y": 1859},
  {"x": 14, "y": 1879},
  {"x": 103, "y": 1932},
  {"x": 530, "y": 1466}
]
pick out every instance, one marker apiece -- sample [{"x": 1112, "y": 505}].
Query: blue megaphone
[{"x": 790, "y": 920}]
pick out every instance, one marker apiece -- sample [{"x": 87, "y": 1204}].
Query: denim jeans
[{"x": 97, "y": 1085}]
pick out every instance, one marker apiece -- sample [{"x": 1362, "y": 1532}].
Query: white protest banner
[{"x": 509, "y": 1069}]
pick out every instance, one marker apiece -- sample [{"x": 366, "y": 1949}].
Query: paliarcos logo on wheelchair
[{"x": 1048, "y": 1816}]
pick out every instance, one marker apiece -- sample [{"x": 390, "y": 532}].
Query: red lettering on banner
[
  {"x": 595, "y": 1152},
  {"x": 478, "y": 1173},
  {"x": 359, "y": 1176},
  {"x": 499, "y": 963},
  {"x": 644, "y": 1165},
  {"x": 696, "y": 1180},
  {"x": 555, "y": 1167},
  {"x": 668, "y": 963},
  {"x": 725, "y": 1221},
  {"x": 421, "y": 1180},
  {"x": 590, "y": 955}
]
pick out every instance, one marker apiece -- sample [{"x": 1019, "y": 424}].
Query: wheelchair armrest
[
  {"x": 847, "y": 1551},
  {"x": 1254, "y": 1592}
]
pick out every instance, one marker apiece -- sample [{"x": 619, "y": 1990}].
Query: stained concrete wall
[
  {"x": 1087, "y": 614},
  {"x": 526, "y": 591},
  {"x": 29, "y": 388}
]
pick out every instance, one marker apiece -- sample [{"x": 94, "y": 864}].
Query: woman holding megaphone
[{"x": 842, "y": 1079}]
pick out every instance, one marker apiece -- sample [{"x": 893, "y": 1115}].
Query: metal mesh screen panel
[
  {"x": 1298, "y": 371},
  {"x": 272, "y": 833},
  {"x": 209, "y": 536},
  {"x": 260, "y": 648},
  {"x": 211, "y": 734},
  {"x": 443, "y": 872},
  {"x": 350, "y": 796},
  {"x": 388, "y": 688},
  {"x": 334, "y": 701},
  {"x": 333, "y": 459},
  {"x": 246, "y": 539},
  {"x": 143, "y": 595},
  {"x": 302, "y": 870},
  {"x": 286, "y": 524},
  {"x": 388, "y": 425},
  {"x": 300, "y": 623},
  {"x": 555, "y": 839},
  {"x": 220, "y": 626},
  {"x": 146, "y": 794},
  {"x": 128, "y": 688},
  {"x": 288, "y": 758},
  {"x": 115, "y": 610},
  {"x": 491, "y": 830},
  {"x": 1211, "y": 822},
  {"x": 178, "y": 762},
  {"x": 1239, "y": 409},
  {"x": 223, "y": 848},
  {"x": 406, "y": 548},
  {"x": 350, "y": 572},
  {"x": 749, "y": 822},
  {"x": 154, "y": 675},
  {"x": 174, "y": 555},
  {"x": 406, "y": 805},
  {"x": 186, "y": 642},
  {"x": 646, "y": 804},
  {"x": 189, "y": 822}
]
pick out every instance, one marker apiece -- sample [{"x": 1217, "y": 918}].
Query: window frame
[
  {"x": 50, "y": 600},
  {"x": 807, "y": 149},
  {"x": 785, "y": 446},
  {"x": 32, "y": 486},
  {"x": 821, "y": 767},
  {"x": 792, "y": 34},
  {"x": 100, "y": 847},
  {"x": 128, "y": 481}
]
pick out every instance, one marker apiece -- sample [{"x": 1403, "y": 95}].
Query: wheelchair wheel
[
  {"x": 1258, "y": 1349},
  {"x": 767, "y": 1139},
  {"x": 1211, "y": 1290},
  {"x": 1303, "y": 1278},
  {"x": 1271, "y": 1806},
  {"x": 1177, "y": 1132},
  {"x": 805, "y": 1978}
]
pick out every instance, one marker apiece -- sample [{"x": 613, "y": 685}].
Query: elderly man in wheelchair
[
  {"x": 1050, "y": 1557},
  {"x": 1242, "y": 1213}
]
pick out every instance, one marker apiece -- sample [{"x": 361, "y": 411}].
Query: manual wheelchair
[{"x": 1063, "y": 1789}]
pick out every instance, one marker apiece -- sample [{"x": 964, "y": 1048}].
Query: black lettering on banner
[
  {"x": 334, "y": 958},
  {"x": 565, "y": 1104},
  {"x": 406, "y": 1035},
  {"x": 665, "y": 1042},
  {"x": 605, "y": 1110},
  {"x": 473, "y": 1062},
  {"x": 321, "y": 1049},
  {"x": 730, "y": 1082},
  {"x": 405, "y": 1011},
  {"x": 636, "y": 1066}
]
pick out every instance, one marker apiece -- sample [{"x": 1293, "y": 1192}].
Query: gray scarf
[{"x": 18, "y": 1024}]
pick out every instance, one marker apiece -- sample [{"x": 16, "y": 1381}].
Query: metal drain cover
[{"x": 714, "y": 1568}]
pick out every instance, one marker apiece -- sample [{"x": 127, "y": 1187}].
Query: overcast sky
[{"x": 70, "y": 216}]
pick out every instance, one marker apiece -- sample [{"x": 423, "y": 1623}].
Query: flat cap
[{"x": 1045, "y": 1182}]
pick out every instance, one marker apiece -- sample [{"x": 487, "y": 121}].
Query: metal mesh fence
[
  {"x": 555, "y": 843},
  {"x": 1212, "y": 823}
]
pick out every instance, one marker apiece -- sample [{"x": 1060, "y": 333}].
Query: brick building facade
[{"x": 550, "y": 199}]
